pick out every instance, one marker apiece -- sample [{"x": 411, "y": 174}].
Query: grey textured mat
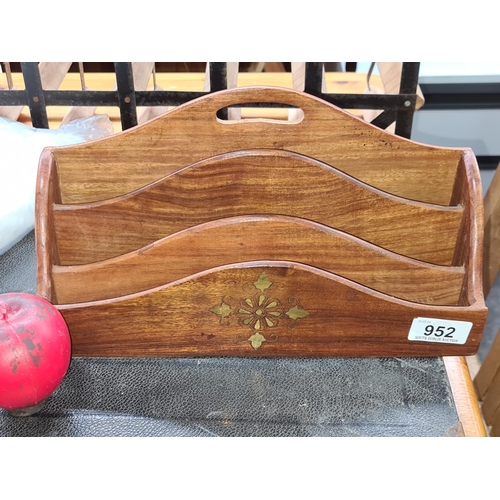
[
  {"x": 235, "y": 396},
  {"x": 18, "y": 267},
  {"x": 245, "y": 397}
]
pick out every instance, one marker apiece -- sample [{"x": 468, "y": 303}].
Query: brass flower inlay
[{"x": 260, "y": 312}]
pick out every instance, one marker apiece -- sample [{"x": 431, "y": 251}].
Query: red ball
[{"x": 35, "y": 350}]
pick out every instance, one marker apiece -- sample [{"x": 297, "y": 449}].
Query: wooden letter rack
[{"x": 323, "y": 236}]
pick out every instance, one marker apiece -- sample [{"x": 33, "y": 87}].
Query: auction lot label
[{"x": 439, "y": 330}]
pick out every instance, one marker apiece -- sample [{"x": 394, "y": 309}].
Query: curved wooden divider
[
  {"x": 191, "y": 132},
  {"x": 255, "y": 182},
  {"x": 241, "y": 239},
  {"x": 260, "y": 309}
]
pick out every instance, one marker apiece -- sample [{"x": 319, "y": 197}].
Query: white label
[{"x": 439, "y": 330}]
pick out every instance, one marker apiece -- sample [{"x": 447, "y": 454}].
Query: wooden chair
[
  {"x": 322, "y": 236},
  {"x": 487, "y": 380}
]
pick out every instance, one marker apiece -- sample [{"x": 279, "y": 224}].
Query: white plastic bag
[{"x": 20, "y": 149}]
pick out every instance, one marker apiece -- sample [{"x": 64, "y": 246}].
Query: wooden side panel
[
  {"x": 256, "y": 182},
  {"x": 132, "y": 159},
  {"x": 242, "y": 239},
  {"x": 469, "y": 245},
  {"x": 260, "y": 309},
  {"x": 47, "y": 194}
]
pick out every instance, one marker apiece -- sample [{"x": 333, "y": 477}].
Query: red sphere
[{"x": 35, "y": 350}]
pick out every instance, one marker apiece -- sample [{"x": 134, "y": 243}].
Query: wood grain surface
[
  {"x": 315, "y": 314},
  {"x": 255, "y": 182},
  {"x": 47, "y": 251},
  {"x": 464, "y": 396},
  {"x": 134, "y": 158},
  {"x": 248, "y": 238},
  {"x": 470, "y": 242}
]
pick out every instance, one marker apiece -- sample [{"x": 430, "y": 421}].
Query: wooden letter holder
[{"x": 324, "y": 236}]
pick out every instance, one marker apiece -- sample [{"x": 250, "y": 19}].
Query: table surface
[{"x": 237, "y": 396}]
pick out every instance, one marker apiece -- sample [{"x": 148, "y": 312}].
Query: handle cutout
[{"x": 260, "y": 112}]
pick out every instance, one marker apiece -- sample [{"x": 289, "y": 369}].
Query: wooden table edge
[{"x": 466, "y": 403}]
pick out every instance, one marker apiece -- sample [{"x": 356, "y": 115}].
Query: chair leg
[
  {"x": 489, "y": 370},
  {"x": 495, "y": 426}
]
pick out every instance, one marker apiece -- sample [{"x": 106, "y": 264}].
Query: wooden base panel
[{"x": 261, "y": 309}]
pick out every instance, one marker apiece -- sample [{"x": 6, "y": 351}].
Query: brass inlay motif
[
  {"x": 260, "y": 311},
  {"x": 263, "y": 282},
  {"x": 297, "y": 313},
  {"x": 224, "y": 310},
  {"x": 256, "y": 340}
]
